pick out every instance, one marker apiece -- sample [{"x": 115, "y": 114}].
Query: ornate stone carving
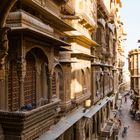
[
  {"x": 3, "y": 50},
  {"x": 21, "y": 68},
  {"x": 3, "y": 45},
  {"x": 81, "y": 128}
]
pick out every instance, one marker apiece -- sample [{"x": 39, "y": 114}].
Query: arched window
[
  {"x": 58, "y": 83},
  {"x": 30, "y": 80}
]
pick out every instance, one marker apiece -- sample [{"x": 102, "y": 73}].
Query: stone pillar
[
  {"x": 21, "y": 70},
  {"x": 90, "y": 123},
  {"x": 95, "y": 123},
  {"x": 108, "y": 109},
  {"x": 3, "y": 54},
  {"x": 49, "y": 87},
  {"x": 81, "y": 129}
]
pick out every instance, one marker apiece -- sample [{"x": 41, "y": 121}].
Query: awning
[
  {"x": 94, "y": 109},
  {"x": 63, "y": 125}
]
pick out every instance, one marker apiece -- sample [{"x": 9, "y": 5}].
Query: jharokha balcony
[
  {"x": 107, "y": 130},
  {"x": 21, "y": 125}
]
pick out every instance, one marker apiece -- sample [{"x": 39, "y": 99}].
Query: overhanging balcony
[
  {"x": 22, "y": 21},
  {"x": 49, "y": 15}
]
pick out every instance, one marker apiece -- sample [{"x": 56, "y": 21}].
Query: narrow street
[{"x": 133, "y": 132}]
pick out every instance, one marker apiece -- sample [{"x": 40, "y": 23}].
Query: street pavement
[{"x": 133, "y": 132}]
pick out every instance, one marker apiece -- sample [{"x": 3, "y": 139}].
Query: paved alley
[{"x": 133, "y": 132}]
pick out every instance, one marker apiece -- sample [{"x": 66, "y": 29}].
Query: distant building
[
  {"x": 60, "y": 69},
  {"x": 134, "y": 68}
]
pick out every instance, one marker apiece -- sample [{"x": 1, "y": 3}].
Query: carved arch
[
  {"x": 57, "y": 81},
  {"x": 5, "y": 8}
]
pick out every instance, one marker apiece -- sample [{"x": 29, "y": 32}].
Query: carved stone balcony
[
  {"x": 88, "y": 22},
  {"x": 49, "y": 14},
  {"x": 29, "y": 124},
  {"x": 107, "y": 130}
]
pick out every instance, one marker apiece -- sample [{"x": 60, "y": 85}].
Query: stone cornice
[
  {"x": 24, "y": 19},
  {"x": 84, "y": 40}
]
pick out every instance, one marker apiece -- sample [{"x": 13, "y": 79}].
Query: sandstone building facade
[
  {"x": 134, "y": 69},
  {"x": 59, "y": 69}
]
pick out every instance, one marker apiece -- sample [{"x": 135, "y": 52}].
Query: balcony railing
[
  {"x": 29, "y": 124},
  {"x": 107, "y": 130}
]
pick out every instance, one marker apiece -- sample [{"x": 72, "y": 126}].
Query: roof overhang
[
  {"x": 49, "y": 16},
  {"x": 81, "y": 54},
  {"x": 50, "y": 40},
  {"x": 81, "y": 39}
]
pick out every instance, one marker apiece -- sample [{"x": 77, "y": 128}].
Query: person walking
[
  {"x": 124, "y": 132},
  {"x": 125, "y": 99},
  {"x": 120, "y": 123}
]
